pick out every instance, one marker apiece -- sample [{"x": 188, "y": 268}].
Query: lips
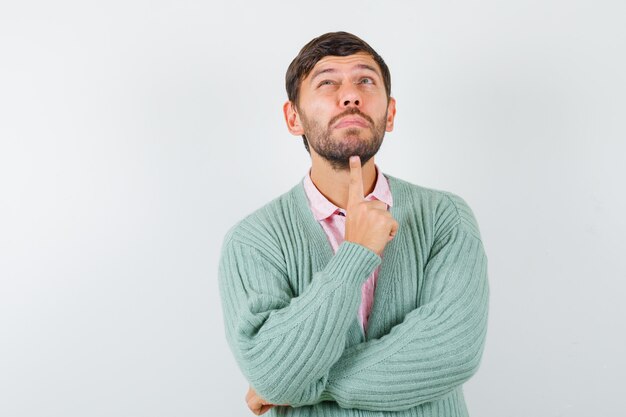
[{"x": 351, "y": 121}]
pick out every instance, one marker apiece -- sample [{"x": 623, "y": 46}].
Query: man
[{"x": 354, "y": 293}]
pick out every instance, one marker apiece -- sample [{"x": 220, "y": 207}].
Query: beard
[{"x": 338, "y": 150}]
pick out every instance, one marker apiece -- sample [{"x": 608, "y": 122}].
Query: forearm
[
  {"x": 435, "y": 349},
  {"x": 286, "y": 347},
  {"x": 390, "y": 374}
]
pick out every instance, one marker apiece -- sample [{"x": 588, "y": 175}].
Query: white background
[{"x": 133, "y": 134}]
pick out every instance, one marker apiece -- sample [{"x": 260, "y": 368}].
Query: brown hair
[{"x": 332, "y": 43}]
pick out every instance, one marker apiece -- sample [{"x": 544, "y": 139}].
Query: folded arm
[
  {"x": 435, "y": 349},
  {"x": 286, "y": 345}
]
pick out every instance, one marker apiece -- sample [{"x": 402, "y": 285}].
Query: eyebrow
[{"x": 331, "y": 70}]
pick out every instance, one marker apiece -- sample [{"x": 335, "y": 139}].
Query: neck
[{"x": 334, "y": 184}]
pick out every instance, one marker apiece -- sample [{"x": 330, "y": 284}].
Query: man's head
[{"x": 339, "y": 92}]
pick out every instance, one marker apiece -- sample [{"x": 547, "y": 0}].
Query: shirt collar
[{"x": 322, "y": 208}]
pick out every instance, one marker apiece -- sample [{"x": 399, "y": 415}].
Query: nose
[{"x": 350, "y": 95}]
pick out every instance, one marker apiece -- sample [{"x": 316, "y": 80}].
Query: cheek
[
  {"x": 319, "y": 114},
  {"x": 322, "y": 105},
  {"x": 378, "y": 104}
]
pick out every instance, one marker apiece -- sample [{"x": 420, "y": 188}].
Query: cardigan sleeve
[
  {"x": 436, "y": 348},
  {"x": 286, "y": 345}
]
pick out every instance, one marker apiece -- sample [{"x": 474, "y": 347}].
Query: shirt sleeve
[
  {"x": 436, "y": 348},
  {"x": 286, "y": 345}
]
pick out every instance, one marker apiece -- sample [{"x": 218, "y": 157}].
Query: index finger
[{"x": 355, "y": 188}]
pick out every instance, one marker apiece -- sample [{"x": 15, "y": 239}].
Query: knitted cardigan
[{"x": 290, "y": 308}]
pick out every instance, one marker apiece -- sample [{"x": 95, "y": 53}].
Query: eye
[
  {"x": 366, "y": 80},
  {"x": 326, "y": 82}
]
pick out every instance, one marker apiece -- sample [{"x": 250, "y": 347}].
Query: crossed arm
[
  {"x": 292, "y": 349},
  {"x": 283, "y": 344},
  {"x": 435, "y": 349}
]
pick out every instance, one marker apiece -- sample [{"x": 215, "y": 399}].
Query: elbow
[
  {"x": 285, "y": 381},
  {"x": 472, "y": 351},
  {"x": 286, "y": 375},
  {"x": 470, "y": 359},
  {"x": 471, "y": 365},
  {"x": 296, "y": 392}
]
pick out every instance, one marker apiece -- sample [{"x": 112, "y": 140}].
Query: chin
[{"x": 353, "y": 132}]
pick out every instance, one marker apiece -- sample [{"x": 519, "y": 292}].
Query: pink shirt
[{"x": 333, "y": 221}]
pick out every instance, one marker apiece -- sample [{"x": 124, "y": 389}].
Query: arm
[
  {"x": 285, "y": 345},
  {"x": 436, "y": 348}
]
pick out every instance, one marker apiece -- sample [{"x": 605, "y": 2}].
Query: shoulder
[
  {"x": 264, "y": 228},
  {"x": 445, "y": 209}
]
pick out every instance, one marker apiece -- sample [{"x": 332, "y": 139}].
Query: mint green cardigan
[{"x": 290, "y": 308}]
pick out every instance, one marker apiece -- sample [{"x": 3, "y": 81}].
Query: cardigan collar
[{"x": 322, "y": 208}]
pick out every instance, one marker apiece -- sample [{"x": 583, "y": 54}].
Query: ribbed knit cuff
[{"x": 352, "y": 263}]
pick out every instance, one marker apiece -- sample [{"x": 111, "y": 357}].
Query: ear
[
  {"x": 391, "y": 114},
  {"x": 292, "y": 118}
]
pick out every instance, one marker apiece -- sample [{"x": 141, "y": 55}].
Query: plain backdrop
[{"x": 133, "y": 134}]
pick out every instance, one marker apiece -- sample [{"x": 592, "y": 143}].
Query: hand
[
  {"x": 368, "y": 223},
  {"x": 257, "y": 404}
]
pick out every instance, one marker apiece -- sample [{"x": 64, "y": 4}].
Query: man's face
[{"x": 343, "y": 109}]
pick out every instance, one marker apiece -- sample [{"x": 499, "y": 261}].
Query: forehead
[{"x": 344, "y": 62}]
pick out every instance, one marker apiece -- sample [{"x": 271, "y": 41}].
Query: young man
[{"x": 354, "y": 290}]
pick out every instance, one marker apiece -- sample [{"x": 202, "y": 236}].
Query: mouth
[{"x": 351, "y": 121}]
